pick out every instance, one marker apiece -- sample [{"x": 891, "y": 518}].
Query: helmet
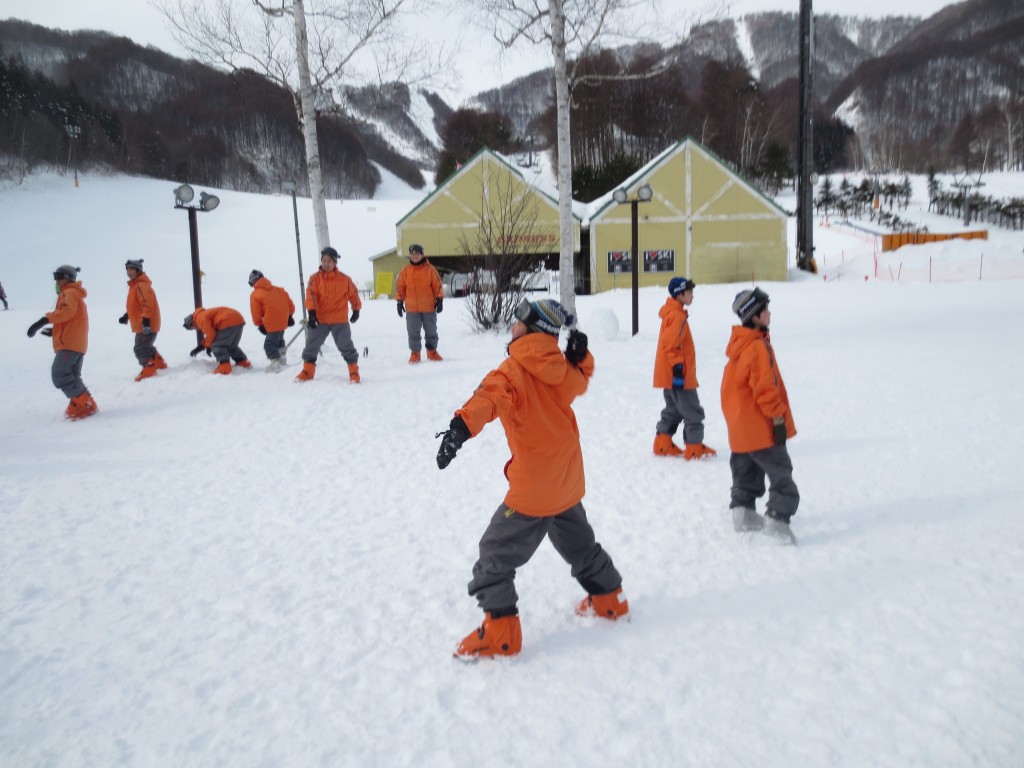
[{"x": 66, "y": 272}]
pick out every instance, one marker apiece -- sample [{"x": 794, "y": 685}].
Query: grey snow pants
[
  {"x": 225, "y": 344},
  {"x": 66, "y": 372},
  {"x": 145, "y": 347},
  {"x": 342, "y": 334},
  {"x": 748, "y": 473},
  {"x": 425, "y": 321},
  {"x": 273, "y": 344},
  {"x": 682, "y": 405},
  {"x": 511, "y": 539}
]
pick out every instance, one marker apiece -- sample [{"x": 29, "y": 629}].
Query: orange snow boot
[
  {"x": 159, "y": 362},
  {"x": 353, "y": 373},
  {"x": 699, "y": 451},
  {"x": 148, "y": 371},
  {"x": 80, "y": 407},
  {"x": 433, "y": 355},
  {"x": 307, "y": 372},
  {"x": 611, "y": 606},
  {"x": 495, "y": 637},
  {"x": 663, "y": 446},
  {"x": 223, "y": 368},
  {"x": 414, "y": 357},
  {"x": 243, "y": 363}
]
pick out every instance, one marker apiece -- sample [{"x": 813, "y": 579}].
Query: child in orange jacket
[
  {"x": 757, "y": 413},
  {"x": 420, "y": 298},
  {"x": 532, "y": 393},
  {"x": 143, "y": 313},
  {"x": 222, "y": 330},
  {"x": 329, "y": 294},
  {"x": 272, "y": 311},
  {"x": 70, "y": 333},
  {"x": 675, "y": 373}
]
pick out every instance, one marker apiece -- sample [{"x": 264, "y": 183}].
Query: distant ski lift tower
[{"x": 805, "y": 140}]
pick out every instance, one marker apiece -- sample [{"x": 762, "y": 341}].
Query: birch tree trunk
[
  {"x": 307, "y": 116},
  {"x": 566, "y": 268}
]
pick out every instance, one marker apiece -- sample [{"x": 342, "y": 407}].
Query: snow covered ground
[{"x": 242, "y": 571}]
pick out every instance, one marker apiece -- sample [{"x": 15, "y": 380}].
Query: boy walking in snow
[
  {"x": 143, "y": 312},
  {"x": 675, "y": 373},
  {"x": 222, "y": 330},
  {"x": 272, "y": 311},
  {"x": 420, "y": 298},
  {"x": 70, "y": 333},
  {"x": 329, "y": 294},
  {"x": 759, "y": 419},
  {"x": 532, "y": 393}
]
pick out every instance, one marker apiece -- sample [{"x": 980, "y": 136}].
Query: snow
[{"x": 243, "y": 571}]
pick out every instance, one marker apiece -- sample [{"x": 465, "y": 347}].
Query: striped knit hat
[{"x": 545, "y": 316}]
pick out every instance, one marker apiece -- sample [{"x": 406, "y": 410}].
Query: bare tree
[{"x": 312, "y": 48}]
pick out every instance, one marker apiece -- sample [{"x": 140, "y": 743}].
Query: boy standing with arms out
[
  {"x": 675, "y": 372},
  {"x": 759, "y": 419},
  {"x": 532, "y": 393}
]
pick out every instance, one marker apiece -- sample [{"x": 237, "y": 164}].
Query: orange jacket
[
  {"x": 329, "y": 294},
  {"x": 753, "y": 392},
  {"x": 271, "y": 306},
  {"x": 70, "y": 319},
  {"x": 532, "y": 393},
  {"x": 675, "y": 345},
  {"x": 211, "y": 320},
  {"x": 418, "y": 286},
  {"x": 142, "y": 303}
]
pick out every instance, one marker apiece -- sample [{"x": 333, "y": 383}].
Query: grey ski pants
[
  {"x": 682, "y": 405},
  {"x": 748, "y": 473},
  {"x": 342, "y": 335},
  {"x": 66, "y": 372},
  {"x": 225, "y": 344},
  {"x": 511, "y": 539},
  {"x": 273, "y": 344},
  {"x": 145, "y": 347},
  {"x": 421, "y": 321}
]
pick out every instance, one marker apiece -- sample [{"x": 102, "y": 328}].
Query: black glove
[
  {"x": 355, "y": 316},
  {"x": 291, "y": 320},
  {"x": 196, "y": 351},
  {"x": 779, "y": 431},
  {"x": 146, "y": 330},
  {"x": 123, "y": 319},
  {"x": 312, "y": 323},
  {"x": 263, "y": 329},
  {"x": 454, "y": 437},
  {"x": 439, "y": 304},
  {"x": 34, "y": 328},
  {"x": 401, "y": 308},
  {"x": 576, "y": 347},
  {"x": 678, "y": 377}
]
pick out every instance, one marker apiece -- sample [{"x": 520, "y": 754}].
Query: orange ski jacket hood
[
  {"x": 753, "y": 392},
  {"x": 142, "y": 303},
  {"x": 271, "y": 306},
  {"x": 675, "y": 346},
  {"x": 330, "y": 294},
  {"x": 532, "y": 392},
  {"x": 418, "y": 286},
  {"x": 70, "y": 319},
  {"x": 211, "y": 320}
]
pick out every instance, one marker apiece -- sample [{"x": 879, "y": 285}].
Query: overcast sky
[{"x": 480, "y": 70}]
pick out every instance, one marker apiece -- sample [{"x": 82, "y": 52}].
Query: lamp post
[
  {"x": 643, "y": 195},
  {"x": 289, "y": 187},
  {"x": 184, "y": 195}
]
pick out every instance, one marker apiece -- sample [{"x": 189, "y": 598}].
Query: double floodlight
[
  {"x": 184, "y": 195},
  {"x": 644, "y": 194}
]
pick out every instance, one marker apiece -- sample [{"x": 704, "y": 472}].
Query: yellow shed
[{"x": 703, "y": 221}]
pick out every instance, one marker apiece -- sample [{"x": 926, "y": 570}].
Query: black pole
[
  {"x": 197, "y": 290},
  {"x": 635, "y": 266},
  {"x": 298, "y": 253},
  {"x": 805, "y": 142}
]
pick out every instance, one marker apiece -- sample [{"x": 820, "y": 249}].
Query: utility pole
[{"x": 805, "y": 140}]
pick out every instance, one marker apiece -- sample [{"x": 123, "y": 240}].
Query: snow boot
[
  {"x": 353, "y": 373},
  {"x": 495, "y": 637},
  {"x": 307, "y": 373},
  {"x": 244, "y": 363},
  {"x": 746, "y": 519},
  {"x": 433, "y": 355},
  {"x": 611, "y": 606},
  {"x": 148, "y": 371},
  {"x": 222, "y": 368},
  {"x": 275, "y": 366},
  {"x": 778, "y": 529},
  {"x": 80, "y": 407},
  {"x": 699, "y": 451},
  {"x": 159, "y": 362},
  {"x": 663, "y": 446},
  {"x": 414, "y": 357}
]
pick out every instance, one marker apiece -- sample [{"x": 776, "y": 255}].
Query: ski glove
[
  {"x": 34, "y": 328},
  {"x": 200, "y": 348},
  {"x": 678, "y": 378},
  {"x": 123, "y": 319},
  {"x": 263, "y": 329},
  {"x": 401, "y": 308},
  {"x": 439, "y": 304},
  {"x": 779, "y": 431},
  {"x": 454, "y": 437},
  {"x": 576, "y": 347},
  {"x": 355, "y": 315},
  {"x": 312, "y": 323},
  {"x": 146, "y": 330},
  {"x": 291, "y": 320}
]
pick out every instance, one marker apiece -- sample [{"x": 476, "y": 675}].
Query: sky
[{"x": 479, "y": 66}]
